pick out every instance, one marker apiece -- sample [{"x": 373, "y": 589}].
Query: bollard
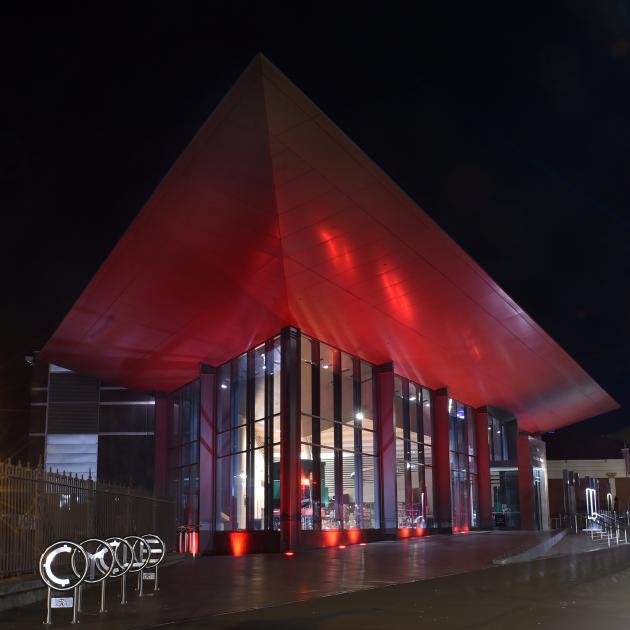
[
  {"x": 48, "y": 621},
  {"x": 102, "y": 608},
  {"x": 123, "y": 589},
  {"x": 75, "y": 606}
]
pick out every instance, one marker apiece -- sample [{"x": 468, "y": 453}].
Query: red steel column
[
  {"x": 387, "y": 446},
  {"x": 160, "y": 445},
  {"x": 207, "y": 477},
  {"x": 525, "y": 481},
  {"x": 441, "y": 462},
  {"x": 290, "y": 509},
  {"x": 483, "y": 468}
]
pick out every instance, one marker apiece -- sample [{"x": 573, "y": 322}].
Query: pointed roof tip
[{"x": 260, "y": 62}]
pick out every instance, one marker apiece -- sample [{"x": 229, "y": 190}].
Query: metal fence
[{"x": 39, "y": 507}]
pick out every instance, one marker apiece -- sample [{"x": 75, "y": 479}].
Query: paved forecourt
[{"x": 210, "y": 586}]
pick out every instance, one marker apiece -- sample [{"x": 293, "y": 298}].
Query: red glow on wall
[
  {"x": 420, "y": 531},
  {"x": 354, "y": 536},
  {"x": 331, "y": 537},
  {"x": 193, "y": 543},
  {"x": 405, "y": 532},
  {"x": 238, "y": 543}
]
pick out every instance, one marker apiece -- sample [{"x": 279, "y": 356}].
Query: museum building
[{"x": 322, "y": 363}]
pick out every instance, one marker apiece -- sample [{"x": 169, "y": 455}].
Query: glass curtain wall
[
  {"x": 414, "y": 457},
  {"x": 463, "y": 462},
  {"x": 183, "y": 453},
  {"x": 502, "y": 436},
  {"x": 339, "y": 479},
  {"x": 248, "y": 440}
]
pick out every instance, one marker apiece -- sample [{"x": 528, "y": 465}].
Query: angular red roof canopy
[{"x": 272, "y": 216}]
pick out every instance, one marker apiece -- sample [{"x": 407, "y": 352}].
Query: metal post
[
  {"x": 48, "y": 608},
  {"x": 123, "y": 589},
  {"x": 155, "y": 586},
  {"x": 79, "y": 597},
  {"x": 140, "y": 583},
  {"x": 102, "y": 608},
  {"x": 75, "y": 604}
]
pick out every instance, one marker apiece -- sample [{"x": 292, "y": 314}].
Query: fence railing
[{"x": 38, "y": 507}]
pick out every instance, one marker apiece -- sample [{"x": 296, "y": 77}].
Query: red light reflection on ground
[
  {"x": 238, "y": 543},
  {"x": 331, "y": 537}
]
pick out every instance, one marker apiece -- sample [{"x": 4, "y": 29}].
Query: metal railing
[{"x": 38, "y": 507}]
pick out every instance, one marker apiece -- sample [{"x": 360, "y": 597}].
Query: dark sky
[{"x": 508, "y": 124}]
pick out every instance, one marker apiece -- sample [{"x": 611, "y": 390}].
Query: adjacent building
[{"x": 328, "y": 365}]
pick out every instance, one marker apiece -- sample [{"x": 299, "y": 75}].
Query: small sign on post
[
  {"x": 61, "y": 602},
  {"x": 148, "y": 575}
]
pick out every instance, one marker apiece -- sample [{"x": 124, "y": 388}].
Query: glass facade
[
  {"x": 463, "y": 463},
  {"x": 502, "y": 439},
  {"x": 248, "y": 440},
  {"x": 414, "y": 454},
  {"x": 339, "y": 447},
  {"x": 502, "y": 436},
  {"x": 339, "y": 452},
  {"x": 183, "y": 452}
]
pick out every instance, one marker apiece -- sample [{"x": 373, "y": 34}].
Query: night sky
[{"x": 509, "y": 125}]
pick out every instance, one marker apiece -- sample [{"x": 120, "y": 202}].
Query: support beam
[
  {"x": 525, "y": 481},
  {"x": 483, "y": 468},
  {"x": 387, "y": 446},
  {"x": 441, "y": 461},
  {"x": 160, "y": 442},
  {"x": 290, "y": 510},
  {"x": 207, "y": 432}
]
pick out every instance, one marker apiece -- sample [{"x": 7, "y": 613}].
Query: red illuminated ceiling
[{"x": 272, "y": 216}]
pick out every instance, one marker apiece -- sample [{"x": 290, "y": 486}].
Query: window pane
[
  {"x": 223, "y": 399},
  {"x": 238, "y": 439},
  {"x": 306, "y": 375},
  {"x": 368, "y": 440},
  {"x": 413, "y": 413},
  {"x": 327, "y": 433},
  {"x": 224, "y": 494},
  {"x": 259, "y": 483},
  {"x": 275, "y": 366},
  {"x": 347, "y": 388},
  {"x": 349, "y": 491},
  {"x": 259, "y": 434},
  {"x": 367, "y": 395},
  {"x": 328, "y": 513},
  {"x": 427, "y": 424},
  {"x": 239, "y": 477},
  {"x": 369, "y": 514},
  {"x": 399, "y": 420},
  {"x": 347, "y": 437},
  {"x": 260, "y": 361},
  {"x": 400, "y": 449},
  {"x": 276, "y": 429},
  {"x": 327, "y": 364},
  {"x": 241, "y": 390},
  {"x": 307, "y": 429},
  {"x": 400, "y": 494},
  {"x": 276, "y": 487}
]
